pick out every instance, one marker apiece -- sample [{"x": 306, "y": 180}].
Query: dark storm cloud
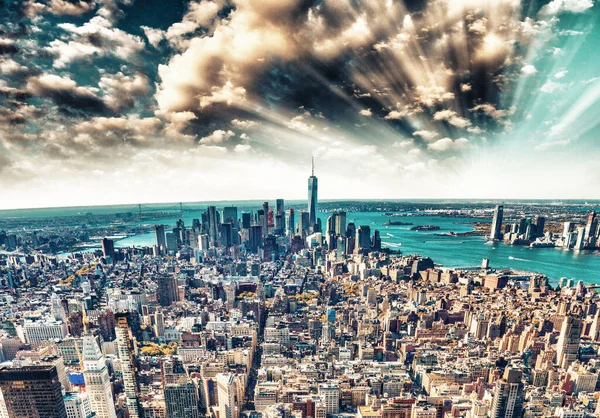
[
  {"x": 8, "y": 47},
  {"x": 67, "y": 95}
]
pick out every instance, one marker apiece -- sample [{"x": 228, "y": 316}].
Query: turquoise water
[{"x": 451, "y": 251}]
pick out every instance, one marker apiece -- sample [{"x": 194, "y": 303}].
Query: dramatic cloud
[
  {"x": 65, "y": 93},
  {"x": 390, "y": 95}
]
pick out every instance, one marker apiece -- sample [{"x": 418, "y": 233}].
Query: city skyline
[{"x": 113, "y": 102}]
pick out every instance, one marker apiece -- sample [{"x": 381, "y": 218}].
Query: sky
[{"x": 140, "y": 101}]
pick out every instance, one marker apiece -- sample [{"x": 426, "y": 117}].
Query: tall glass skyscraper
[{"x": 313, "y": 184}]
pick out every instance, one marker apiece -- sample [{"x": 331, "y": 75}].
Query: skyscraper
[
  {"x": 567, "y": 348},
  {"x": 363, "y": 238},
  {"x": 160, "y": 238},
  {"x": 31, "y": 392},
  {"x": 290, "y": 223},
  {"x": 181, "y": 400},
  {"x": 496, "y": 231},
  {"x": 125, "y": 351},
  {"x": 97, "y": 380},
  {"x": 213, "y": 222},
  {"x": 230, "y": 395},
  {"x": 265, "y": 219},
  {"x": 508, "y": 395},
  {"x": 313, "y": 184},
  {"x": 108, "y": 248}
]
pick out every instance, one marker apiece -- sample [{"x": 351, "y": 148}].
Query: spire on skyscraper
[{"x": 313, "y": 166}]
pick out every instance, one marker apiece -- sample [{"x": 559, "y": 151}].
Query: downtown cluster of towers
[
  {"x": 261, "y": 232},
  {"x": 526, "y": 231}
]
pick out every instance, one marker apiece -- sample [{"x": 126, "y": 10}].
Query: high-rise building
[
  {"x": 255, "y": 238},
  {"x": 171, "y": 241},
  {"x": 265, "y": 218},
  {"x": 226, "y": 234},
  {"x": 508, "y": 395},
  {"x": 246, "y": 220},
  {"x": 166, "y": 292},
  {"x": 160, "y": 238},
  {"x": 97, "y": 380},
  {"x": 313, "y": 185},
  {"x": 213, "y": 223},
  {"x": 496, "y": 230},
  {"x": 31, "y": 392},
  {"x": 181, "y": 400},
  {"x": 340, "y": 226},
  {"x": 230, "y": 395},
  {"x": 290, "y": 223},
  {"x": 363, "y": 238},
  {"x": 125, "y": 351},
  {"x": 108, "y": 248},
  {"x": 567, "y": 347}
]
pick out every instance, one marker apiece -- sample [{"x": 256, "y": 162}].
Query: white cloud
[
  {"x": 465, "y": 87},
  {"x": 426, "y": 135},
  {"x": 560, "y": 74},
  {"x": 447, "y": 144},
  {"x": 242, "y": 148},
  {"x": 566, "y": 6},
  {"x": 217, "y": 137},
  {"x": 452, "y": 118},
  {"x": 528, "y": 70},
  {"x": 366, "y": 112}
]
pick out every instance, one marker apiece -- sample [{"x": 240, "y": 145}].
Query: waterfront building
[{"x": 496, "y": 229}]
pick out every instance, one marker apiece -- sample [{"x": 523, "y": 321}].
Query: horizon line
[{"x": 341, "y": 200}]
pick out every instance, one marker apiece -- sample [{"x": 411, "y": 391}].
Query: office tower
[
  {"x": 181, "y": 400},
  {"x": 313, "y": 185},
  {"x": 280, "y": 216},
  {"x": 159, "y": 325},
  {"x": 590, "y": 226},
  {"x": 226, "y": 234},
  {"x": 271, "y": 250},
  {"x": 230, "y": 214},
  {"x": 171, "y": 239},
  {"x": 340, "y": 225},
  {"x": 230, "y": 395},
  {"x": 31, "y": 392},
  {"x": 125, "y": 351},
  {"x": 303, "y": 223},
  {"x": 78, "y": 405},
  {"x": 108, "y": 248},
  {"x": 508, "y": 395},
  {"x": 567, "y": 347},
  {"x": 166, "y": 292},
  {"x": 213, "y": 222},
  {"x": 265, "y": 219},
  {"x": 580, "y": 240},
  {"x": 97, "y": 380},
  {"x": 567, "y": 228},
  {"x": 255, "y": 238},
  {"x": 331, "y": 224},
  {"x": 330, "y": 396},
  {"x": 290, "y": 223},
  {"x": 363, "y": 238},
  {"x": 160, "y": 238},
  {"x": 376, "y": 243},
  {"x": 246, "y": 220},
  {"x": 496, "y": 231},
  {"x": 540, "y": 222}
]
